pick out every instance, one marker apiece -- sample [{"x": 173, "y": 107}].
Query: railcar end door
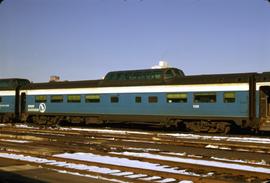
[{"x": 265, "y": 108}]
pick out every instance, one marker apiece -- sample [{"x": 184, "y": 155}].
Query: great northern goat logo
[{"x": 42, "y": 107}]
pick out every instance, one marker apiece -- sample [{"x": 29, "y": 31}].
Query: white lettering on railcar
[
  {"x": 196, "y": 106},
  {"x": 4, "y": 105},
  {"x": 33, "y": 110}
]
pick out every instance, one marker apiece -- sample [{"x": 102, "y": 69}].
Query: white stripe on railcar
[
  {"x": 7, "y": 93},
  {"x": 259, "y": 84},
  {"x": 142, "y": 89}
]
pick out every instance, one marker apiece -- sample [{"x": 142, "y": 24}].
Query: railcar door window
[
  {"x": 205, "y": 97},
  {"x": 92, "y": 98},
  {"x": 177, "y": 98},
  {"x": 0, "y": 99},
  {"x": 57, "y": 98},
  {"x": 229, "y": 97},
  {"x": 40, "y": 98}
]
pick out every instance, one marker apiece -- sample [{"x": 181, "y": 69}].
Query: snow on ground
[
  {"x": 25, "y": 126},
  {"x": 178, "y": 135},
  {"x": 90, "y": 176},
  {"x": 142, "y": 149},
  {"x": 218, "y": 138},
  {"x": 82, "y": 156},
  {"x": 262, "y": 162},
  {"x": 16, "y": 141},
  {"x": 123, "y": 132},
  {"x": 122, "y": 162},
  {"x": 58, "y": 163},
  {"x": 197, "y": 162}
]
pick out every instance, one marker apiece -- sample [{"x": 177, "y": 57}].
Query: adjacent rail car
[
  {"x": 10, "y": 99},
  {"x": 166, "y": 97}
]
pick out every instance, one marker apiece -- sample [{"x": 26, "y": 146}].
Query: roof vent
[
  {"x": 161, "y": 64},
  {"x": 54, "y": 78}
]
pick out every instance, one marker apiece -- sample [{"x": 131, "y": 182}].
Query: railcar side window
[
  {"x": 177, "y": 98},
  {"x": 138, "y": 99},
  {"x": 229, "y": 97},
  {"x": 74, "y": 98},
  {"x": 0, "y": 99},
  {"x": 152, "y": 99},
  {"x": 92, "y": 98},
  {"x": 114, "y": 99},
  {"x": 205, "y": 97},
  {"x": 40, "y": 98},
  {"x": 57, "y": 98}
]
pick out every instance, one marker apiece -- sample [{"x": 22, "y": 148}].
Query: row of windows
[
  {"x": 211, "y": 97},
  {"x": 144, "y": 75}
]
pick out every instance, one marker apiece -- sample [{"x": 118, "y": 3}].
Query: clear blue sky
[{"x": 84, "y": 39}]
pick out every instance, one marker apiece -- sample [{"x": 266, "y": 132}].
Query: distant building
[
  {"x": 161, "y": 64},
  {"x": 54, "y": 78}
]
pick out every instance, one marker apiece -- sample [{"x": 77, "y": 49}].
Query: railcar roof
[
  {"x": 12, "y": 83},
  {"x": 192, "y": 79}
]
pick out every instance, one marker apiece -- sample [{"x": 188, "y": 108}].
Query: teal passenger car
[{"x": 164, "y": 97}]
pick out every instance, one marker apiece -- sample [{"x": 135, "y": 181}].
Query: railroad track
[{"x": 120, "y": 146}]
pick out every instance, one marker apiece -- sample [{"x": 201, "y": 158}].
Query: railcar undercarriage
[{"x": 209, "y": 126}]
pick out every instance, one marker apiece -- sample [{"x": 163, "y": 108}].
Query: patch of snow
[
  {"x": 135, "y": 176},
  {"x": 122, "y": 173},
  {"x": 106, "y": 131},
  {"x": 185, "y": 181},
  {"x": 59, "y": 163},
  {"x": 198, "y": 162},
  {"x": 122, "y": 162},
  {"x": 24, "y": 126},
  {"x": 218, "y": 138},
  {"x": 174, "y": 154},
  {"x": 142, "y": 149},
  {"x": 209, "y": 146},
  {"x": 16, "y": 141},
  {"x": 262, "y": 162},
  {"x": 150, "y": 178},
  {"x": 166, "y": 180},
  {"x": 90, "y": 176}
]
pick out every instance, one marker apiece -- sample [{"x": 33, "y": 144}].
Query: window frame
[
  {"x": 152, "y": 99},
  {"x": 56, "y": 101},
  {"x": 203, "y": 97},
  {"x": 114, "y": 99},
  {"x": 138, "y": 99},
  {"x": 74, "y": 99},
  {"x": 40, "y": 100},
  {"x": 95, "y": 99},
  {"x": 170, "y": 99},
  {"x": 227, "y": 99}
]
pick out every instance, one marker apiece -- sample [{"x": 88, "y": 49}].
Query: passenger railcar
[
  {"x": 208, "y": 103},
  {"x": 9, "y": 98}
]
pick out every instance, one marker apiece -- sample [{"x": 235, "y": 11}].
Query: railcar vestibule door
[{"x": 265, "y": 104}]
